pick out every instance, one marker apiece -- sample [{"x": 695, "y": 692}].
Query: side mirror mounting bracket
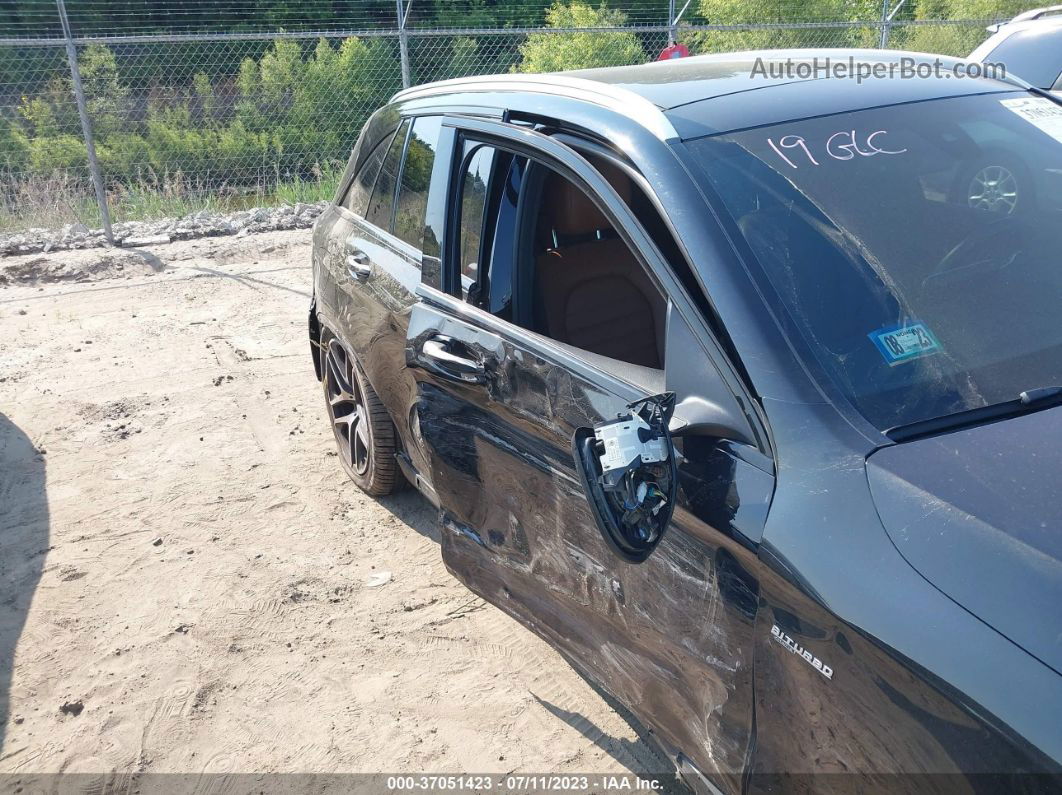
[{"x": 628, "y": 470}]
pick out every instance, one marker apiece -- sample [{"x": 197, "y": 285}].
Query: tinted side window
[
  {"x": 474, "y": 188},
  {"x": 383, "y": 195},
  {"x": 1033, "y": 55},
  {"x": 589, "y": 290},
  {"x": 380, "y": 127},
  {"x": 416, "y": 175},
  {"x": 357, "y": 198}
]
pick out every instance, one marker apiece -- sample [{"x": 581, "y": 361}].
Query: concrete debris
[{"x": 205, "y": 223}]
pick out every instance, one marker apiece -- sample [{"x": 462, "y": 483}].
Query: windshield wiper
[{"x": 1028, "y": 401}]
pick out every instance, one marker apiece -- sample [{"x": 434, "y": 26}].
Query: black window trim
[{"x": 559, "y": 157}]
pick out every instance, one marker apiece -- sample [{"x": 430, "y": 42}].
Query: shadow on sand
[{"x": 23, "y": 545}]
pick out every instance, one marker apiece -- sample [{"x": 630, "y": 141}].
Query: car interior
[
  {"x": 575, "y": 280},
  {"x": 590, "y": 291}
]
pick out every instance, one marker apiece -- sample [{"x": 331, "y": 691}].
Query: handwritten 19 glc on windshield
[{"x": 842, "y": 145}]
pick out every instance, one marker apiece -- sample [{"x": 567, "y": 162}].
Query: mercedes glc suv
[{"x": 740, "y": 390}]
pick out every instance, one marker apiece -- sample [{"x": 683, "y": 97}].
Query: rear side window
[
  {"x": 357, "y": 198},
  {"x": 383, "y": 194},
  {"x": 416, "y": 175},
  {"x": 366, "y": 157},
  {"x": 1034, "y": 55}
]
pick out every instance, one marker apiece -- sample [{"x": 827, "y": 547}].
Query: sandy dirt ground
[{"x": 185, "y": 574}]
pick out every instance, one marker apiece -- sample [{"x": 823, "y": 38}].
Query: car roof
[
  {"x": 682, "y": 81},
  {"x": 681, "y": 89}
]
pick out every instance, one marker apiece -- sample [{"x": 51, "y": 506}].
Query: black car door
[{"x": 498, "y": 407}]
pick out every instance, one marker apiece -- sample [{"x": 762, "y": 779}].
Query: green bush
[
  {"x": 106, "y": 97},
  {"x": 555, "y": 52},
  {"x": 240, "y": 149},
  {"x": 122, "y": 156},
  {"x": 14, "y": 147},
  {"x": 172, "y": 147},
  {"x": 49, "y": 154},
  {"x": 956, "y": 39},
  {"x": 737, "y": 12},
  {"x": 205, "y": 97}
]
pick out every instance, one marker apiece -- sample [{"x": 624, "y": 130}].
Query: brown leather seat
[{"x": 592, "y": 291}]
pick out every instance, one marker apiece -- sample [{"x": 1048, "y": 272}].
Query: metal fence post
[
  {"x": 86, "y": 125},
  {"x": 403, "y": 41},
  {"x": 672, "y": 23},
  {"x": 883, "y": 42}
]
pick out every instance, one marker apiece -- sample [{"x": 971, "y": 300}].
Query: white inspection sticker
[
  {"x": 1042, "y": 113},
  {"x": 904, "y": 342}
]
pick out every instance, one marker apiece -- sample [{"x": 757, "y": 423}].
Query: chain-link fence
[{"x": 191, "y": 118}]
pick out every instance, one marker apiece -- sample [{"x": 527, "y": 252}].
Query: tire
[{"x": 365, "y": 436}]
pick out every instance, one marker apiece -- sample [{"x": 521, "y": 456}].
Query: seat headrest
[{"x": 571, "y": 211}]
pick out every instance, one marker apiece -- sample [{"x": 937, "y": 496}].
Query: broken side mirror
[{"x": 627, "y": 468}]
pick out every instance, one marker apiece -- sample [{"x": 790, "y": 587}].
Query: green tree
[
  {"x": 738, "y": 12},
  {"x": 280, "y": 73},
  {"x": 106, "y": 97},
  {"x": 486, "y": 13},
  {"x": 955, "y": 39},
  {"x": 53, "y": 110},
  {"x": 205, "y": 97},
  {"x": 554, "y": 52},
  {"x": 464, "y": 58},
  {"x": 14, "y": 146}
]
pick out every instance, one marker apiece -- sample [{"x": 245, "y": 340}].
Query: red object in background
[{"x": 673, "y": 51}]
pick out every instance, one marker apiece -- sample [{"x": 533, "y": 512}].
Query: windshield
[{"x": 917, "y": 248}]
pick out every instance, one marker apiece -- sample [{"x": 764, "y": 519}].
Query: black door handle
[
  {"x": 444, "y": 362},
  {"x": 358, "y": 264}
]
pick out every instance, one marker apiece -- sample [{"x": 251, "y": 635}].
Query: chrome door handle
[
  {"x": 437, "y": 351},
  {"x": 358, "y": 264}
]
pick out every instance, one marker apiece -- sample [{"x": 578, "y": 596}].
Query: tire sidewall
[{"x": 375, "y": 481}]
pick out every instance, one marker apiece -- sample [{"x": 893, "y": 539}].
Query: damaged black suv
[{"x": 739, "y": 390}]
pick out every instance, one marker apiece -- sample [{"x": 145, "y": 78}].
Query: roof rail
[
  {"x": 606, "y": 95},
  {"x": 1026, "y": 16}
]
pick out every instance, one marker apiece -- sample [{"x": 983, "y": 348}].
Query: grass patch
[{"x": 53, "y": 202}]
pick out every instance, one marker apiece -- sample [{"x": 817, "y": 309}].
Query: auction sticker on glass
[
  {"x": 1042, "y": 113},
  {"x": 905, "y": 342}
]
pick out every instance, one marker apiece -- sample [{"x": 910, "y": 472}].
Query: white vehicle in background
[{"x": 1030, "y": 46}]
